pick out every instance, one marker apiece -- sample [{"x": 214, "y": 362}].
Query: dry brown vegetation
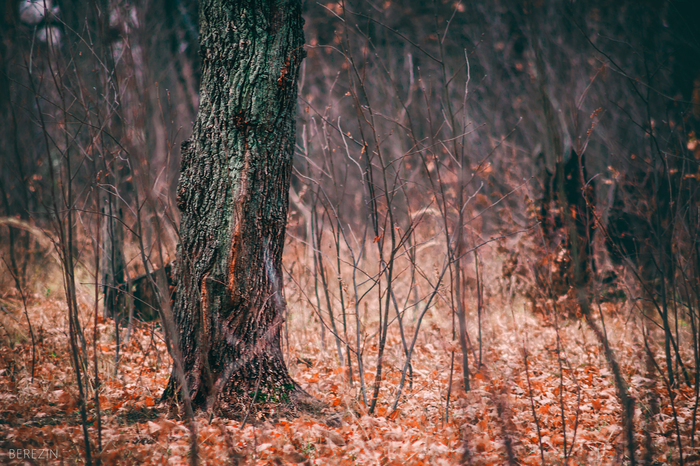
[
  {"x": 493, "y": 242},
  {"x": 565, "y": 381}
]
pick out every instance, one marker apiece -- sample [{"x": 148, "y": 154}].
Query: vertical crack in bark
[{"x": 206, "y": 320}]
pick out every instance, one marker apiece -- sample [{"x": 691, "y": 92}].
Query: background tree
[{"x": 233, "y": 198}]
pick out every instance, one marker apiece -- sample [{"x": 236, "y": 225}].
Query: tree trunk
[
  {"x": 233, "y": 195},
  {"x": 113, "y": 264}
]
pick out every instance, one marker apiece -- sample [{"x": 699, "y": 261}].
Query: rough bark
[{"x": 233, "y": 195}]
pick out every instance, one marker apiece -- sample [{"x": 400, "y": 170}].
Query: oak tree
[{"x": 233, "y": 198}]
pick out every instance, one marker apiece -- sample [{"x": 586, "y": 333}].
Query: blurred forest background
[{"x": 455, "y": 162}]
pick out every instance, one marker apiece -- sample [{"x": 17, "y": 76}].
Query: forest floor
[{"x": 567, "y": 409}]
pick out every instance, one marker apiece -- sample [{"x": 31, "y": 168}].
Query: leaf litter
[{"x": 577, "y": 410}]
